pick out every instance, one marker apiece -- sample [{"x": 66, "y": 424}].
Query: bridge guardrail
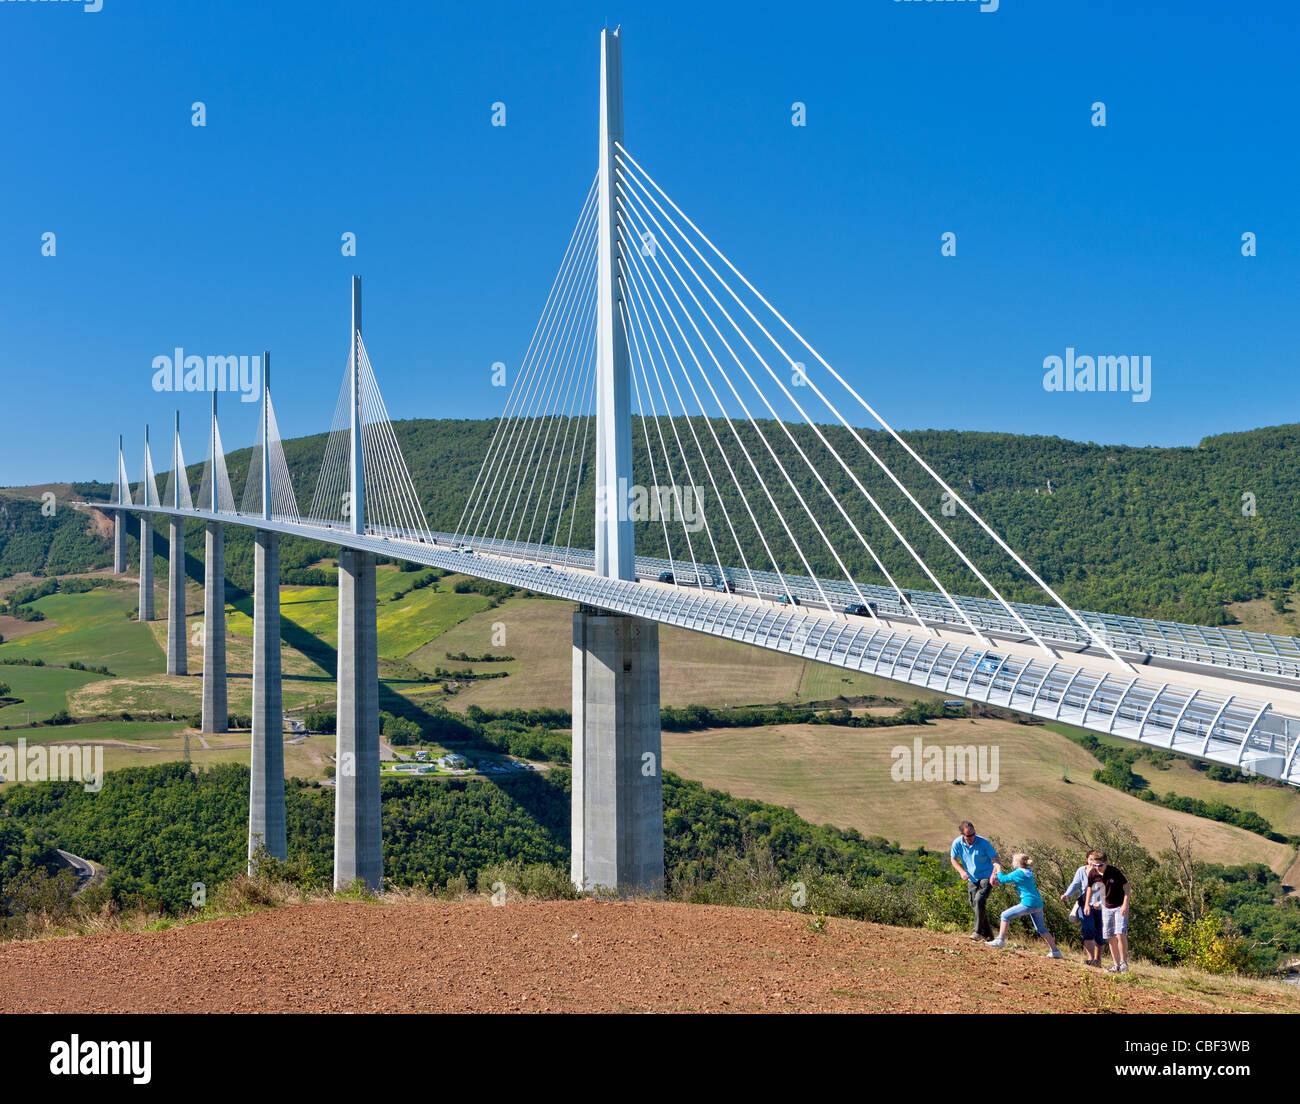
[{"x": 1259, "y": 653}]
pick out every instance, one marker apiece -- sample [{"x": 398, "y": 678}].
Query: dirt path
[
  {"x": 579, "y": 956},
  {"x": 1291, "y": 876}
]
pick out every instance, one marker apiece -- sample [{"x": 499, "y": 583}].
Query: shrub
[
  {"x": 1119, "y": 774},
  {"x": 875, "y": 901},
  {"x": 539, "y": 881},
  {"x": 1209, "y": 944}
]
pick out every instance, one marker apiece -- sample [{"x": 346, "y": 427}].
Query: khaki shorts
[{"x": 1113, "y": 922}]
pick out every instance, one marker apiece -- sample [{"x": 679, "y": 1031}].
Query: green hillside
[{"x": 1156, "y": 531}]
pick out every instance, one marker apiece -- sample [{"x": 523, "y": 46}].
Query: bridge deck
[
  {"x": 1260, "y": 657},
  {"x": 1194, "y": 711}
]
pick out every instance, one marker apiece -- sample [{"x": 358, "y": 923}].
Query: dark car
[
  {"x": 860, "y": 610},
  {"x": 665, "y": 576},
  {"x": 788, "y": 599}
]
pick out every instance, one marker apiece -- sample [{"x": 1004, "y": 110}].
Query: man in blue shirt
[{"x": 973, "y": 857}]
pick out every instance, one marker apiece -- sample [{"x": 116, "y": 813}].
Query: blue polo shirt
[{"x": 977, "y": 858}]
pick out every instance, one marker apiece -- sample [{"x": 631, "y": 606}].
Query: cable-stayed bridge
[{"x": 664, "y": 404}]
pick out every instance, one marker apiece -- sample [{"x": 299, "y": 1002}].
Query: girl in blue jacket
[{"x": 1031, "y": 901}]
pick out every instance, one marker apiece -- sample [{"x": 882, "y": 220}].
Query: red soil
[{"x": 562, "y": 956}]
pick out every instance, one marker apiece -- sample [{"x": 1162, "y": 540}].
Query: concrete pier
[
  {"x": 215, "y": 713},
  {"x": 358, "y": 850},
  {"x": 266, "y": 788},
  {"x": 177, "y": 660},
  {"x": 119, "y": 542},
  {"x": 146, "y": 567},
  {"x": 618, "y": 821}
]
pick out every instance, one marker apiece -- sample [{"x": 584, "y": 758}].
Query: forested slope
[{"x": 1172, "y": 532}]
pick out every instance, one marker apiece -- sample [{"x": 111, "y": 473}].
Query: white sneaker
[
  {"x": 995, "y": 943},
  {"x": 1055, "y": 953}
]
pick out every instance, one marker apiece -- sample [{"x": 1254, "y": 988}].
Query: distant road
[{"x": 88, "y": 873}]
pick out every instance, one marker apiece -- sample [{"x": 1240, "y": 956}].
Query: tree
[{"x": 319, "y": 720}]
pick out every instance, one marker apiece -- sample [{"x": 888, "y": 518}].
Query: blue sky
[{"x": 922, "y": 117}]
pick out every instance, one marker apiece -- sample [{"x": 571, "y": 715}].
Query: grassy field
[
  {"x": 842, "y": 776},
  {"x": 420, "y": 628},
  {"x": 694, "y": 669},
  {"x": 411, "y": 622},
  {"x": 44, "y": 691},
  {"x": 93, "y": 732},
  {"x": 125, "y": 743},
  {"x": 313, "y": 609},
  {"x": 404, "y": 624},
  {"x": 95, "y": 628},
  {"x": 1258, "y": 615},
  {"x": 1278, "y": 805},
  {"x": 822, "y": 682},
  {"x": 303, "y": 758},
  {"x": 307, "y": 654},
  {"x": 140, "y": 744},
  {"x": 304, "y": 680}
]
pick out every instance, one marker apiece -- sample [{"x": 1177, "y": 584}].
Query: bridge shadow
[
  {"x": 320, "y": 652},
  {"x": 540, "y": 796},
  {"x": 543, "y": 799},
  {"x": 194, "y": 569}
]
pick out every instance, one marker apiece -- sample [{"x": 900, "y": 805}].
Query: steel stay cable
[
  {"x": 644, "y": 271},
  {"x": 1069, "y": 611},
  {"x": 537, "y": 373},
  {"x": 638, "y": 285},
  {"x": 509, "y": 396},
  {"x": 528, "y": 373}
]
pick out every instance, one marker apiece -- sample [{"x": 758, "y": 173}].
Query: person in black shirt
[{"x": 1114, "y": 909}]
